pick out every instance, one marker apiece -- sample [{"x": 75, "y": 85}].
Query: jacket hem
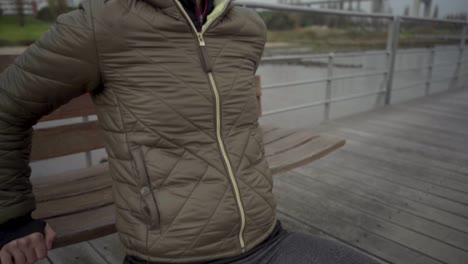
[
  {"x": 262, "y": 238},
  {"x": 205, "y": 258}
]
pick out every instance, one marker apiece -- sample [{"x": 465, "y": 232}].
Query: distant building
[
  {"x": 374, "y": 6},
  {"x": 30, "y": 7},
  {"x": 43, "y": 3},
  {"x": 289, "y": 1},
  {"x": 10, "y": 7}
]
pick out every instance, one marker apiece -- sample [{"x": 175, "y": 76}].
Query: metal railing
[{"x": 391, "y": 52}]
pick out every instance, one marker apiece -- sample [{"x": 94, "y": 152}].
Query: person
[{"x": 173, "y": 85}]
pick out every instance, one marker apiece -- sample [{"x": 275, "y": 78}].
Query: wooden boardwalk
[{"x": 397, "y": 191}]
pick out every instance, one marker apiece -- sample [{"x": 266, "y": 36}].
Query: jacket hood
[{"x": 169, "y": 7}]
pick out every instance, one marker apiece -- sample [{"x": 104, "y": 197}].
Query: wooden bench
[{"x": 79, "y": 205}]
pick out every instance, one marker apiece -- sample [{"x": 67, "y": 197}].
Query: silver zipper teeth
[{"x": 202, "y": 43}]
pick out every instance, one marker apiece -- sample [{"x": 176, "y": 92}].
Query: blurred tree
[
  {"x": 57, "y": 7},
  {"x": 436, "y": 12},
  {"x": 20, "y": 12},
  {"x": 407, "y": 10},
  {"x": 278, "y": 20}
]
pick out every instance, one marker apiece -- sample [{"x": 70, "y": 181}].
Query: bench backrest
[{"x": 81, "y": 137}]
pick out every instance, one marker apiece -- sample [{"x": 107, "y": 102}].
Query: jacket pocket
[
  {"x": 148, "y": 203},
  {"x": 257, "y": 135},
  {"x": 257, "y": 132}
]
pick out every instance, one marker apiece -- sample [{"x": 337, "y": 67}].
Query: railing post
[
  {"x": 392, "y": 48},
  {"x": 430, "y": 69},
  {"x": 456, "y": 75},
  {"x": 328, "y": 92}
]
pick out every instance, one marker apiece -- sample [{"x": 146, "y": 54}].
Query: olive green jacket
[{"x": 178, "y": 112}]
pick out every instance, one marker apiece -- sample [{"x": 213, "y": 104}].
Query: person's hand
[{"x": 28, "y": 249}]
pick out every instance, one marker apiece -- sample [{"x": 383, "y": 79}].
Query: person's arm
[
  {"x": 60, "y": 65},
  {"x": 262, "y": 39}
]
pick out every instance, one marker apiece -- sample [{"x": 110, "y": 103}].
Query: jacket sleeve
[
  {"x": 261, "y": 30},
  {"x": 60, "y": 65}
]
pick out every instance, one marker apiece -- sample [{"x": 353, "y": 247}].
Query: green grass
[
  {"x": 319, "y": 37},
  {"x": 324, "y": 38},
  {"x": 11, "y": 33}
]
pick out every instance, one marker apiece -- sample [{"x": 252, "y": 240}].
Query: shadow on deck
[{"x": 398, "y": 190}]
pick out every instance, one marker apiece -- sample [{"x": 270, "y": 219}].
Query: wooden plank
[
  {"x": 290, "y": 142},
  {"x": 292, "y": 224},
  {"x": 300, "y": 190},
  {"x": 81, "y": 253},
  {"x": 65, "y": 140},
  {"x": 454, "y": 207},
  {"x": 276, "y": 134},
  {"x": 367, "y": 205},
  {"x": 438, "y": 114},
  {"x": 316, "y": 213},
  {"x": 69, "y": 176},
  {"x": 110, "y": 248},
  {"x": 444, "y": 110},
  {"x": 459, "y": 103},
  {"x": 310, "y": 151},
  {"x": 448, "y": 124},
  {"x": 371, "y": 190},
  {"x": 91, "y": 224},
  {"x": 72, "y": 184},
  {"x": 80, "y": 106},
  {"x": 427, "y": 125},
  {"x": 268, "y": 129},
  {"x": 418, "y": 132},
  {"x": 442, "y": 141},
  {"x": 400, "y": 174},
  {"x": 395, "y": 154},
  {"x": 445, "y": 159},
  {"x": 461, "y": 106},
  {"x": 74, "y": 204}
]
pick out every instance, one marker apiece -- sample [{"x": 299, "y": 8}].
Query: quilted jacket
[{"x": 177, "y": 109}]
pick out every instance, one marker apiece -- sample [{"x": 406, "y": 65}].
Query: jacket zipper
[{"x": 202, "y": 46}]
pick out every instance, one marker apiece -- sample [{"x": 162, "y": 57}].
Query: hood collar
[{"x": 169, "y": 7}]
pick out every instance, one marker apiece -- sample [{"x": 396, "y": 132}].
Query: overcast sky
[{"x": 398, "y": 6}]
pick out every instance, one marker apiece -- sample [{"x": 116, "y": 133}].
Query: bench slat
[
  {"x": 74, "y": 204},
  {"x": 83, "y": 226},
  {"x": 276, "y": 134},
  {"x": 287, "y": 143},
  {"x": 96, "y": 177},
  {"x": 79, "y": 187},
  {"x": 79, "y": 204},
  {"x": 268, "y": 129},
  {"x": 71, "y": 183},
  {"x": 65, "y": 140},
  {"x": 69, "y": 176},
  {"x": 304, "y": 154},
  {"x": 80, "y": 106}
]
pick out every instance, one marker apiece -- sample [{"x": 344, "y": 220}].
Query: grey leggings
[{"x": 293, "y": 248}]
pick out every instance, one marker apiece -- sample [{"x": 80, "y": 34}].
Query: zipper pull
[{"x": 201, "y": 40}]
